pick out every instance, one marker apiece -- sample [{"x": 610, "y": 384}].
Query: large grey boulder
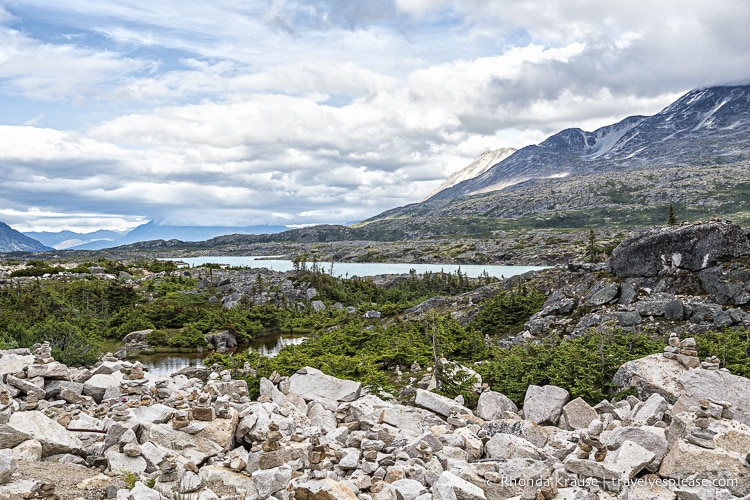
[
  {"x": 651, "y": 374},
  {"x": 492, "y": 405},
  {"x": 544, "y": 405},
  {"x": 101, "y": 383},
  {"x": 451, "y": 487},
  {"x": 11, "y": 362},
  {"x": 439, "y": 404},
  {"x": 311, "y": 383},
  {"x": 7, "y": 465},
  {"x": 55, "y": 438},
  {"x": 652, "y": 438},
  {"x": 692, "y": 247},
  {"x": 577, "y": 414}
]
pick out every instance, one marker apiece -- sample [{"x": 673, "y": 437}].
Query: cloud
[{"x": 324, "y": 111}]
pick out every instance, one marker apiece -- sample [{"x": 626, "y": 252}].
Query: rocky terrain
[
  {"x": 312, "y": 436},
  {"x": 114, "y": 430}
]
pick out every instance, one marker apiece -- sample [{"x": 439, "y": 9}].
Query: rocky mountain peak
[{"x": 704, "y": 126}]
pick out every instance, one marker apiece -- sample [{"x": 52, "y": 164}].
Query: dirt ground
[{"x": 72, "y": 481}]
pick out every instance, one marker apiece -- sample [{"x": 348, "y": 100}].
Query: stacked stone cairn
[{"x": 312, "y": 436}]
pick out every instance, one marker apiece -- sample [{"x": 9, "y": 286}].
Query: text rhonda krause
[{"x": 615, "y": 484}]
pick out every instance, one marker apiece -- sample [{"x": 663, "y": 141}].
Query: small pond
[{"x": 169, "y": 362}]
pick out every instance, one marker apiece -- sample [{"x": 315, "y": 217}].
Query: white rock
[
  {"x": 30, "y": 451},
  {"x": 492, "y": 405},
  {"x": 7, "y": 465},
  {"x": 544, "y": 405},
  {"x": 578, "y": 414},
  {"x": 439, "y": 404},
  {"x": 311, "y": 383},
  {"x": 451, "y": 487},
  {"x": 55, "y": 438},
  {"x": 652, "y": 410}
]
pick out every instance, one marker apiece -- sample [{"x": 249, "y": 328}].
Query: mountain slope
[
  {"x": 704, "y": 126},
  {"x": 15, "y": 241},
  {"x": 479, "y": 166}
]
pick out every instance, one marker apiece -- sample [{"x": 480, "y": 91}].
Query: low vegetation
[{"x": 80, "y": 315}]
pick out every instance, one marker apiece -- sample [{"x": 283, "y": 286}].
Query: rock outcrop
[{"x": 691, "y": 247}]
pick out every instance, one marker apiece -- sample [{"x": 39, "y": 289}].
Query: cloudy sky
[{"x": 242, "y": 112}]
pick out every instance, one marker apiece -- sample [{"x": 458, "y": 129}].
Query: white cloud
[{"x": 323, "y": 111}]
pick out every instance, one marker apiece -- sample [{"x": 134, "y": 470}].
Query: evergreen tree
[
  {"x": 591, "y": 250},
  {"x": 672, "y": 220}
]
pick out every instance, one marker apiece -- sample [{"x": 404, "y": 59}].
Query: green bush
[
  {"x": 69, "y": 344},
  {"x": 189, "y": 336},
  {"x": 731, "y": 346},
  {"x": 584, "y": 365}
]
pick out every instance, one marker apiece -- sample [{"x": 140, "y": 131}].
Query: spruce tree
[{"x": 672, "y": 218}]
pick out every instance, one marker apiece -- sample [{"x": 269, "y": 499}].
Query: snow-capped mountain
[{"x": 704, "y": 126}]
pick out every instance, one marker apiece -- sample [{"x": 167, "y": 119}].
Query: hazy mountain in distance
[
  {"x": 155, "y": 231},
  {"x": 63, "y": 240},
  {"x": 15, "y": 241}
]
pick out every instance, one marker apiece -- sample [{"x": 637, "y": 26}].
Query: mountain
[
  {"x": 695, "y": 154},
  {"x": 475, "y": 168},
  {"x": 154, "y": 231},
  {"x": 63, "y": 240},
  {"x": 15, "y": 241},
  {"x": 704, "y": 126}
]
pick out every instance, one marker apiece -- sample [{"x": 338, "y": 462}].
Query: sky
[{"x": 286, "y": 112}]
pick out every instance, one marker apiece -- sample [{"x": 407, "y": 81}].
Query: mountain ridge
[
  {"x": 704, "y": 124},
  {"x": 15, "y": 241}
]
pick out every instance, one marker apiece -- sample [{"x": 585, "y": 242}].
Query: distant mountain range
[
  {"x": 702, "y": 127},
  {"x": 15, "y": 241},
  {"x": 64, "y": 240}
]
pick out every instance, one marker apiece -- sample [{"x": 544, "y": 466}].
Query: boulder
[
  {"x": 13, "y": 363},
  {"x": 577, "y": 414},
  {"x": 30, "y": 451},
  {"x": 617, "y": 468},
  {"x": 322, "y": 489},
  {"x": 26, "y": 387},
  {"x": 602, "y": 292},
  {"x": 100, "y": 384},
  {"x": 718, "y": 384},
  {"x": 652, "y": 411},
  {"x": 544, "y": 405},
  {"x": 492, "y": 405},
  {"x": 527, "y": 429},
  {"x": 652, "y": 438},
  {"x": 451, "y": 487},
  {"x": 311, "y": 383},
  {"x": 7, "y": 465},
  {"x": 54, "y": 370},
  {"x": 55, "y": 438},
  {"x": 686, "y": 461},
  {"x": 652, "y": 374},
  {"x": 505, "y": 446},
  {"x": 439, "y": 404},
  {"x": 692, "y": 247},
  {"x": 269, "y": 481}
]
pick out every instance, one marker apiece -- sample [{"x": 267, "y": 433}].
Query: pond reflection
[{"x": 165, "y": 364}]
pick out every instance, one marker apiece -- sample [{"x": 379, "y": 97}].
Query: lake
[{"x": 349, "y": 269}]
